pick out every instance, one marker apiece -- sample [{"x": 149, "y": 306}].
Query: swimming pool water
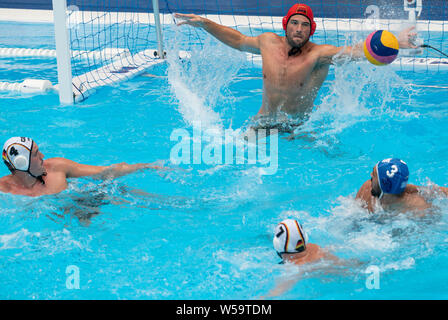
[{"x": 205, "y": 231}]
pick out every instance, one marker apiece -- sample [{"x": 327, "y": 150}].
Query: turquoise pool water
[{"x": 205, "y": 231}]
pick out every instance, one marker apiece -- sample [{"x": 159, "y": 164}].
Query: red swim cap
[{"x": 304, "y": 10}]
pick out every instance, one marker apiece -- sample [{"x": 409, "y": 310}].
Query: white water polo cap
[
  {"x": 17, "y": 153},
  {"x": 289, "y": 237}
]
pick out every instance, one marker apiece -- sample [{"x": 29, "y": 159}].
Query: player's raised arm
[{"x": 226, "y": 35}]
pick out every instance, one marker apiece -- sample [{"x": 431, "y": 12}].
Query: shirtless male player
[
  {"x": 33, "y": 176},
  {"x": 293, "y": 67},
  {"x": 388, "y": 188}
]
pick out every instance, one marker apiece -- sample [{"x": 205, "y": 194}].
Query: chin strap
[{"x": 38, "y": 178}]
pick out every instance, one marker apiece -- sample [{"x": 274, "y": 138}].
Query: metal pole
[
  {"x": 413, "y": 6},
  {"x": 63, "y": 51},
  {"x": 155, "y": 6}
]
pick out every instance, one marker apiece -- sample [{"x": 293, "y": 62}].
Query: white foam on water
[
  {"x": 198, "y": 82},
  {"x": 193, "y": 107},
  {"x": 360, "y": 92},
  {"x": 407, "y": 263},
  {"x": 390, "y": 240},
  {"x": 47, "y": 242},
  {"x": 16, "y": 239}
]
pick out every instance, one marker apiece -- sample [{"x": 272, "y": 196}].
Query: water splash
[
  {"x": 359, "y": 93},
  {"x": 390, "y": 240},
  {"x": 199, "y": 82}
]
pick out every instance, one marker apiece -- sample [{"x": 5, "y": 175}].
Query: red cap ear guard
[{"x": 304, "y": 10}]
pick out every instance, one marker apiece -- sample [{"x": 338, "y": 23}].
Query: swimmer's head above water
[
  {"x": 300, "y": 30},
  {"x": 22, "y": 154},
  {"x": 289, "y": 238},
  {"x": 388, "y": 190},
  {"x": 389, "y": 176}
]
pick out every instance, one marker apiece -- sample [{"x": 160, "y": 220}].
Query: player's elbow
[
  {"x": 248, "y": 44},
  {"x": 239, "y": 43}
]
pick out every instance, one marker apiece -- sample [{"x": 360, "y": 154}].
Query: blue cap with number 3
[{"x": 393, "y": 175}]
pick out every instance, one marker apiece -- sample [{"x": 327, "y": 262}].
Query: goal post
[
  {"x": 155, "y": 5},
  {"x": 63, "y": 54},
  {"x": 103, "y": 47}
]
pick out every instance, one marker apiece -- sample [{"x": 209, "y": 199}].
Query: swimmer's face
[
  {"x": 36, "y": 161},
  {"x": 298, "y": 30},
  {"x": 376, "y": 190}
]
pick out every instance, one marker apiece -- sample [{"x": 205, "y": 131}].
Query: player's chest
[{"x": 285, "y": 68}]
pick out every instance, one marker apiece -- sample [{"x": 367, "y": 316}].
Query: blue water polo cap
[{"x": 393, "y": 175}]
